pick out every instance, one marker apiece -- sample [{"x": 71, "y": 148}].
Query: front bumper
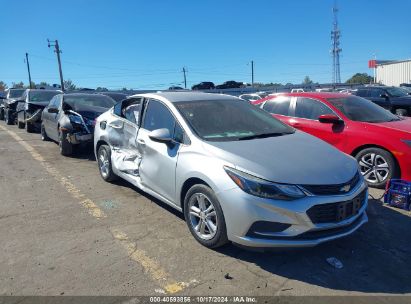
[
  {"x": 242, "y": 210},
  {"x": 79, "y": 138}
]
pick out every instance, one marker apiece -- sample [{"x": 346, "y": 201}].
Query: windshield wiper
[{"x": 264, "y": 135}]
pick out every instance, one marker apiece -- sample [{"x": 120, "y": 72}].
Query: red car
[{"x": 378, "y": 139}]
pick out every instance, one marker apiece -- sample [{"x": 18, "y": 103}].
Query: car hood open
[{"x": 297, "y": 158}]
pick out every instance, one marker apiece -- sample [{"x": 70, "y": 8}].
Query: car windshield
[
  {"x": 397, "y": 92},
  {"x": 228, "y": 120},
  {"x": 101, "y": 101},
  {"x": 360, "y": 109},
  {"x": 42, "y": 96},
  {"x": 16, "y": 93}
]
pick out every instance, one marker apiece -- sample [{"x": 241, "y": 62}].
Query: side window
[
  {"x": 376, "y": 93},
  {"x": 117, "y": 108},
  {"x": 310, "y": 108},
  {"x": 362, "y": 93},
  {"x": 157, "y": 116},
  {"x": 279, "y": 106}
]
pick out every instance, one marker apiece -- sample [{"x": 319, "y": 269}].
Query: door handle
[{"x": 115, "y": 126}]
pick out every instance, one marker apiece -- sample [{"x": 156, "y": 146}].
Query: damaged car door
[
  {"x": 123, "y": 129},
  {"x": 158, "y": 142}
]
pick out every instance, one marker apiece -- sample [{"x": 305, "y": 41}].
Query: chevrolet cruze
[{"x": 236, "y": 173}]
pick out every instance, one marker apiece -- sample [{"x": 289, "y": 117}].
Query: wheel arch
[
  {"x": 366, "y": 146},
  {"x": 187, "y": 185}
]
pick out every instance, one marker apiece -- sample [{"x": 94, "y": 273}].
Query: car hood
[
  {"x": 402, "y": 100},
  {"x": 40, "y": 104},
  {"x": 89, "y": 111},
  {"x": 297, "y": 158},
  {"x": 403, "y": 125}
]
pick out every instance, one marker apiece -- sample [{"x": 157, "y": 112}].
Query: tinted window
[
  {"x": 310, "y": 109},
  {"x": 16, "y": 93},
  {"x": 117, "y": 109},
  {"x": 376, "y": 93},
  {"x": 91, "y": 100},
  {"x": 279, "y": 105},
  {"x": 362, "y": 92},
  {"x": 157, "y": 116},
  {"x": 397, "y": 92},
  {"x": 228, "y": 120},
  {"x": 360, "y": 109},
  {"x": 42, "y": 96}
]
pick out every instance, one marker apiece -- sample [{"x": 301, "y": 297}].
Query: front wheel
[
  {"x": 66, "y": 148},
  {"x": 8, "y": 118},
  {"x": 1, "y": 114},
  {"x": 377, "y": 166},
  {"x": 29, "y": 127},
  {"x": 44, "y": 136},
  {"x": 104, "y": 163},
  {"x": 204, "y": 217}
]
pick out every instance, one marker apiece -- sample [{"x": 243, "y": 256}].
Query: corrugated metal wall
[{"x": 395, "y": 73}]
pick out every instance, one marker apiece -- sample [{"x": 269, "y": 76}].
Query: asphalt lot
[{"x": 64, "y": 231}]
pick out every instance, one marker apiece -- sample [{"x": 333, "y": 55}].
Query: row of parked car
[{"x": 239, "y": 171}]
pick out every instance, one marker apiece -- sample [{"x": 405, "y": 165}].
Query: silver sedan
[{"x": 236, "y": 173}]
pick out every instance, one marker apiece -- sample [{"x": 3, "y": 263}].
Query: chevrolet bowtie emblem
[{"x": 346, "y": 188}]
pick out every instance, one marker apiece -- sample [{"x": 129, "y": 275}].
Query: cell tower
[{"x": 336, "y": 50}]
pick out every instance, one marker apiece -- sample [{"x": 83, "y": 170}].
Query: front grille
[
  {"x": 336, "y": 212},
  {"x": 333, "y": 189}
]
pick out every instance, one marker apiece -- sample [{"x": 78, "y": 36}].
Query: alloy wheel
[
  {"x": 104, "y": 163},
  {"x": 203, "y": 217},
  {"x": 374, "y": 168}
]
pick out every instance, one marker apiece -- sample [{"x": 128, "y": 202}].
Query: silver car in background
[{"x": 236, "y": 173}]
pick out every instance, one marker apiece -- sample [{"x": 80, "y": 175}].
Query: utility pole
[
  {"x": 185, "y": 78},
  {"x": 252, "y": 73},
  {"x": 28, "y": 70},
  {"x": 57, "y": 50},
  {"x": 336, "y": 50}
]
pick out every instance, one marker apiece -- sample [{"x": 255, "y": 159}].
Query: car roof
[
  {"x": 181, "y": 96},
  {"x": 315, "y": 94},
  {"x": 84, "y": 94}
]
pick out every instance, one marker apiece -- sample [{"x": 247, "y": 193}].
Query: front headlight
[
  {"x": 262, "y": 188},
  {"x": 75, "y": 119}
]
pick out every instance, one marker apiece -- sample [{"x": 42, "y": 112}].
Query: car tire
[
  {"x": 377, "y": 166},
  {"x": 1, "y": 114},
  {"x": 29, "y": 127},
  {"x": 401, "y": 112},
  {"x": 200, "y": 222},
  {"x": 7, "y": 118},
  {"x": 104, "y": 163},
  {"x": 66, "y": 148},
  {"x": 21, "y": 125},
  {"x": 44, "y": 136}
]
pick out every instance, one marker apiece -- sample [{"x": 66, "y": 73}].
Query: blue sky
[{"x": 145, "y": 44}]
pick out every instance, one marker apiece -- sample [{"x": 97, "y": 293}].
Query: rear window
[
  {"x": 42, "y": 96},
  {"x": 16, "y": 93}
]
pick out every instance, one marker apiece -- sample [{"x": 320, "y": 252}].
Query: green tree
[
  {"x": 19, "y": 85},
  {"x": 101, "y": 89},
  {"x": 69, "y": 85},
  {"x": 44, "y": 84},
  {"x": 307, "y": 80},
  {"x": 3, "y": 86},
  {"x": 362, "y": 78}
]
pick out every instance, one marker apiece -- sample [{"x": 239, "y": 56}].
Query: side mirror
[
  {"x": 384, "y": 96},
  {"x": 161, "y": 136},
  {"x": 65, "y": 107},
  {"x": 329, "y": 118},
  {"x": 53, "y": 110}
]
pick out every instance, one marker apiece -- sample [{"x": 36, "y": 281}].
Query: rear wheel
[
  {"x": 401, "y": 112},
  {"x": 377, "y": 166},
  {"x": 66, "y": 148},
  {"x": 204, "y": 217},
  {"x": 104, "y": 163}
]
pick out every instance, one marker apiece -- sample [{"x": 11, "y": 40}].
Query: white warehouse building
[{"x": 393, "y": 73}]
